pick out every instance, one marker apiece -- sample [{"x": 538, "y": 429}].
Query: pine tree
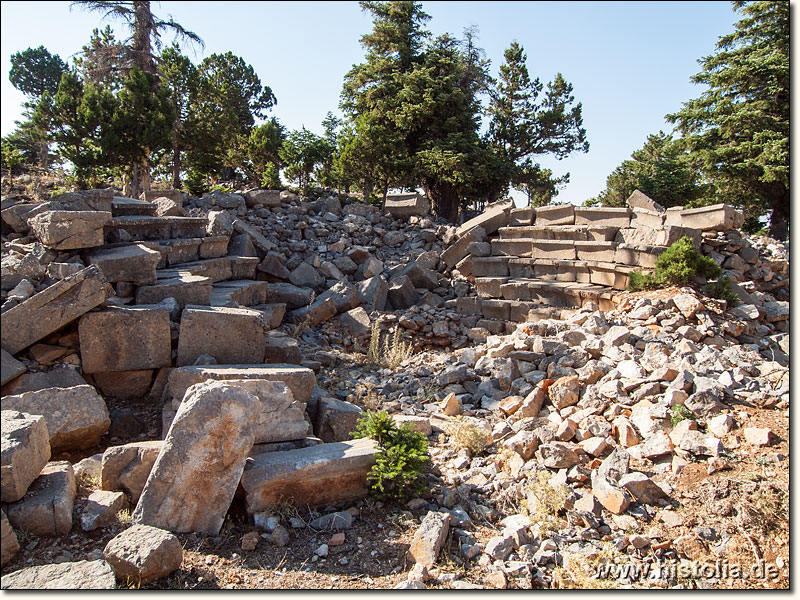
[{"x": 738, "y": 129}]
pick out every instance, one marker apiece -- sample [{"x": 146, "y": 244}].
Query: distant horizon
[{"x": 633, "y": 77}]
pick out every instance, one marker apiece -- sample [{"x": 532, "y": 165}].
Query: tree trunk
[
  {"x": 134, "y": 180},
  {"x": 445, "y": 200},
  {"x": 779, "y": 222},
  {"x": 142, "y": 33},
  {"x": 176, "y": 168},
  {"x": 367, "y": 190},
  {"x": 385, "y": 195}
]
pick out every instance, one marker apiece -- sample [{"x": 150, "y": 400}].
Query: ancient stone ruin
[{"x": 195, "y": 343}]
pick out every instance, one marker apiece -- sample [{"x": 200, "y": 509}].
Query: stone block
[
  {"x": 300, "y": 380},
  {"x": 101, "y": 509},
  {"x": 76, "y": 417},
  {"x": 243, "y": 267},
  {"x": 304, "y": 275},
  {"x": 291, "y": 295},
  {"x": 315, "y": 476},
  {"x": 9, "y": 545},
  {"x": 419, "y": 276},
  {"x": 26, "y": 450},
  {"x": 69, "y": 230},
  {"x": 216, "y": 269},
  {"x": 53, "y": 307},
  {"x": 402, "y": 293},
  {"x": 46, "y": 508},
  {"x": 125, "y": 339},
  {"x": 80, "y": 575},
  {"x": 258, "y": 240},
  {"x": 639, "y": 199},
  {"x": 563, "y": 214},
  {"x": 719, "y": 217},
  {"x": 491, "y": 266},
  {"x": 344, "y": 295},
  {"x": 83, "y": 200},
  {"x": 10, "y": 368},
  {"x": 142, "y": 554},
  {"x": 231, "y": 335},
  {"x": 402, "y": 206},
  {"x": 280, "y": 348},
  {"x": 124, "y": 385},
  {"x": 373, "y": 292},
  {"x": 553, "y": 250},
  {"x": 176, "y": 196},
  {"x": 490, "y": 220},
  {"x": 185, "y": 288},
  {"x": 517, "y": 247},
  {"x": 610, "y": 217},
  {"x": 458, "y": 250},
  {"x": 429, "y": 539},
  {"x": 127, "y": 467},
  {"x": 520, "y": 217},
  {"x": 643, "y": 218},
  {"x": 136, "y": 264},
  {"x": 244, "y": 293},
  {"x": 356, "y": 322},
  {"x": 596, "y": 251},
  {"x": 59, "y": 376},
  {"x": 336, "y": 420},
  {"x": 195, "y": 476}
]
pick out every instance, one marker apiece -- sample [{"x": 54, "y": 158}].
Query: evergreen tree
[
  {"x": 301, "y": 152},
  {"x": 36, "y": 72},
  {"x": 738, "y": 129},
  {"x": 179, "y": 76}
]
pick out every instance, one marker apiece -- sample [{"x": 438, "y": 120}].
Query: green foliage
[
  {"x": 11, "y": 157},
  {"x": 680, "y": 413},
  {"x": 270, "y": 178},
  {"x": 301, "y": 153},
  {"x": 196, "y": 182},
  {"x": 738, "y": 129},
  {"x": 36, "y": 72},
  {"x": 642, "y": 281},
  {"x": 401, "y": 460},
  {"x": 681, "y": 262},
  {"x": 722, "y": 289},
  {"x": 661, "y": 170}
]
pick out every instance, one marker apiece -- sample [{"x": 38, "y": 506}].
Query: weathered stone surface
[
  {"x": 124, "y": 385},
  {"x": 127, "y": 467},
  {"x": 609, "y": 494},
  {"x": 53, "y": 307},
  {"x": 335, "y": 420},
  {"x": 273, "y": 265},
  {"x": 280, "y": 348},
  {"x": 59, "y": 376},
  {"x": 46, "y": 508},
  {"x": 169, "y": 207},
  {"x": 457, "y": 251},
  {"x": 10, "y": 367},
  {"x": 419, "y": 276},
  {"x": 142, "y": 554},
  {"x": 300, "y": 380},
  {"x": 491, "y": 219},
  {"x": 196, "y": 473},
  {"x": 402, "y": 206},
  {"x": 80, "y": 575},
  {"x": 719, "y": 217},
  {"x": 554, "y": 215},
  {"x": 319, "y": 475},
  {"x": 417, "y": 423},
  {"x": 373, "y": 292},
  {"x": 639, "y": 199},
  {"x": 558, "y": 455},
  {"x": 429, "y": 538},
  {"x": 125, "y": 339},
  {"x": 25, "y": 451},
  {"x": 231, "y": 335},
  {"x": 758, "y": 436},
  {"x": 101, "y": 509},
  {"x": 136, "y": 264},
  {"x": 258, "y": 240},
  {"x": 76, "y": 417},
  {"x": 565, "y": 391},
  {"x": 70, "y": 230},
  {"x": 9, "y": 545},
  {"x": 304, "y": 275},
  {"x": 642, "y": 488},
  {"x": 402, "y": 293},
  {"x": 356, "y": 322},
  {"x": 184, "y": 287}
]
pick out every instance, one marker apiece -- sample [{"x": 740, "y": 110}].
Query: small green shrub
[
  {"x": 196, "y": 182},
  {"x": 721, "y": 288},
  {"x": 270, "y": 178},
  {"x": 680, "y": 413},
  {"x": 677, "y": 265},
  {"x": 401, "y": 460}
]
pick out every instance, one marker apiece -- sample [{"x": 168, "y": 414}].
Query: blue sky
[{"x": 630, "y": 62}]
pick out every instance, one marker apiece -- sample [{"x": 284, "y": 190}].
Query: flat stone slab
[
  {"x": 216, "y": 269},
  {"x": 555, "y": 215},
  {"x": 196, "y": 474},
  {"x": 457, "y": 251},
  {"x": 402, "y": 206},
  {"x": 491, "y": 219},
  {"x": 259, "y": 241},
  {"x": 127, "y": 467},
  {"x": 300, "y": 380},
  {"x": 101, "y": 509},
  {"x": 59, "y": 376},
  {"x": 76, "y": 417},
  {"x": 46, "y": 508},
  {"x": 142, "y": 554},
  {"x": 125, "y": 339},
  {"x": 80, "y": 575},
  {"x": 136, "y": 264},
  {"x": 289, "y": 294},
  {"x": 83, "y": 200},
  {"x": 10, "y": 367},
  {"x": 53, "y": 307},
  {"x": 143, "y": 228},
  {"x": 429, "y": 538},
  {"x": 243, "y": 293},
  {"x": 25, "y": 452},
  {"x": 9, "y": 544},
  {"x": 231, "y": 335},
  {"x": 612, "y": 217},
  {"x": 719, "y": 217},
  {"x": 184, "y": 287},
  {"x": 69, "y": 230},
  {"x": 314, "y": 476}
]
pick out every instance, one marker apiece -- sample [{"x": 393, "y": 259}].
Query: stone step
[
  {"x": 184, "y": 287},
  {"x": 216, "y": 269},
  {"x": 181, "y": 251},
  {"x": 128, "y": 207},
  {"x": 300, "y": 380},
  {"x": 242, "y": 292},
  {"x": 147, "y": 228},
  {"x": 504, "y": 251},
  {"x": 582, "y": 233}
]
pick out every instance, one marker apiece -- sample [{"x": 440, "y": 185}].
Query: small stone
[
  {"x": 280, "y": 537},
  {"x": 337, "y": 539},
  {"x": 759, "y": 436},
  {"x": 322, "y": 551},
  {"x": 250, "y": 541},
  {"x": 142, "y": 554}
]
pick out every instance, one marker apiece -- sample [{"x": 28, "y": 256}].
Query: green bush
[
  {"x": 722, "y": 289},
  {"x": 402, "y": 457},
  {"x": 196, "y": 182},
  {"x": 677, "y": 265},
  {"x": 270, "y": 178}
]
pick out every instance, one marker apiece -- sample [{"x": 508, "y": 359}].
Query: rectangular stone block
[
  {"x": 458, "y": 250},
  {"x": 142, "y": 228},
  {"x": 83, "y": 200},
  {"x": 180, "y": 251},
  {"x": 300, "y": 380},
  {"x": 231, "y": 335},
  {"x": 468, "y": 305},
  {"x": 515, "y": 291},
  {"x": 11, "y": 367},
  {"x": 216, "y": 269},
  {"x": 519, "y": 311},
  {"x": 136, "y": 264},
  {"x": 520, "y": 216},
  {"x": 53, "y": 307},
  {"x": 315, "y": 476},
  {"x": 174, "y": 195},
  {"x": 402, "y": 206},
  {"x": 26, "y": 450},
  {"x": 563, "y": 250},
  {"x": 610, "y": 217},
  {"x": 719, "y": 217},
  {"x": 490, "y": 266},
  {"x": 492, "y": 219},
  {"x": 520, "y": 248},
  {"x": 243, "y": 267},
  {"x": 520, "y": 267},
  {"x": 641, "y": 217},
  {"x": 125, "y": 339},
  {"x": 489, "y": 287},
  {"x": 496, "y": 309},
  {"x": 46, "y": 508},
  {"x": 563, "y": 214},
  {"x": 214, "y": 246},
  {"x": 185, "y": 288},
  {"x": 244, "y": 293},
  {"x": 69, "y": 230},
  {"x": 598, "y": 251}
]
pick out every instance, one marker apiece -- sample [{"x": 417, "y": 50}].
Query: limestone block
[
  {"x": 554, "y": 215},
  {"x": 70, "y": 230},
  {"x": 611, "y": 217},
  {"x": 314, "y": 476},
  {"x": 46, "y": 508},
  {"x": 231, "y": 335},
  {"x": 142, "y": 554},
  {"x": 196, "y": 473},
  {"x": 127, "y": 467},
  {"x": 336, "y": 420},
  {"x": 80, "y": 575},
  {"x": 719, "y": 217},
  {"x": 402, "y": 206},
  {"x": 101, "y": 509},
  {"x": 429, "y": 538},
  {"x": 10, "y": 367},
  {"x": 53, "y": 307},
  {"x": 26, "y": 450},
  {"x": 125, "y": 339},
  {"x": 9, "y": 545},
  {"x": 184, "y": 287}
]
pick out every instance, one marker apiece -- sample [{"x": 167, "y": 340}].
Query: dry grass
[
  {"x": 392, "y": 353},
  {"x": 545, "y": 502},
  {"x": 464, "y": 434}
]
